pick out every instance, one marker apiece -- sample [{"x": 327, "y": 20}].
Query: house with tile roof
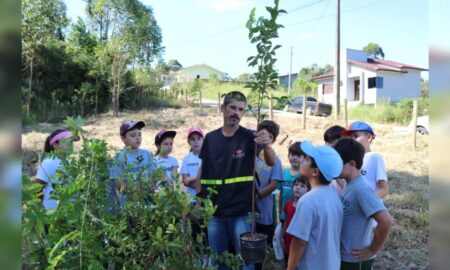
[{"x": 366, "y": 80}]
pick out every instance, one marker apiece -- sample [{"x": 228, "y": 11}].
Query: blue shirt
[
  {"x": 360, "y": 202},
  {"x": 285, "y": 188},
  {"x": 267, "y": 174}
]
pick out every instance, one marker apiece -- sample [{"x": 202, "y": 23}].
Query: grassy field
[{"x": 407, "y": 247}]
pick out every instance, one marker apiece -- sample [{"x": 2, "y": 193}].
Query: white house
[
  {"x": 202, "y": 71},
  {"x": 366, "y": 80}
]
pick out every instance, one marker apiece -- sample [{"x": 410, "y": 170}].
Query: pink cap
[{"x": 197, "y": 130}]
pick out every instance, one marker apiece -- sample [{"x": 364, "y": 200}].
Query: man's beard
[{"x": 232, "y": 121}]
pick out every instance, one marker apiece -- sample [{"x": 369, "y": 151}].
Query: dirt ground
[{"x": 407, "y": 247}]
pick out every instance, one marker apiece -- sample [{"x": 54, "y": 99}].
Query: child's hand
[{"x": 363, "y": 254}]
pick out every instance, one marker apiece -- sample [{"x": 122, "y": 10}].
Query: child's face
[
  {"x": 295, "y": 160},
  {"x": 306, "y": 168},
  {"x": 299, "y": 189},
  {"x": 270, "y": 136},
  {"x": 132, "y": 138},
  {"x": 363, "y": 137},
  {"x": 166, "y": 146},
  {"x": 195, "y": 142}
]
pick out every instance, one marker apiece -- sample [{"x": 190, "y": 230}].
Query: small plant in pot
[{"x": 261, "y": 32}]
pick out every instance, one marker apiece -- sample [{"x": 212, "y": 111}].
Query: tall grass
[{"x": 386, "y": 112}]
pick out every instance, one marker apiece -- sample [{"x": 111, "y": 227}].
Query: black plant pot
[{"x": 253, "y": 247}]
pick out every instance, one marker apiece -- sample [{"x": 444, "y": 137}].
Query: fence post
[
  {"x": 345, "y": 113},
  {"x": 304, "y": 111},
  {"x": 283, "y": 140},
  {"x": 414, "y": 124},
  {"x": 218, "y": 103},
  {"x": 200, "y": 99},
  {"x": 270, "y": 107}
]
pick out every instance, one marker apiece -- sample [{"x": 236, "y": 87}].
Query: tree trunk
[
  {"x": 96, "y": 97},
  {"x": 30, "y": 84}
]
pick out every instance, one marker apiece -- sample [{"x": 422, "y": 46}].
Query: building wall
[
  {"x": 284, "y": 80},
  {"x": 191, "y": 74},
  {"x": 397, "y": 86}
]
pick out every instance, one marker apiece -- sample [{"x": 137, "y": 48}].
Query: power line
[{"x": 333, "y": 14}]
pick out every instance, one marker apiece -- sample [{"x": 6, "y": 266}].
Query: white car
[{"x": 423, "y": 126}]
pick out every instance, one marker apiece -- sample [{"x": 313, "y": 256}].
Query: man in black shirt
[{"x": 228, "y": 159}]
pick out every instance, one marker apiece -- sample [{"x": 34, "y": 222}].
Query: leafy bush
[
  {"x": 152, "y": 231},
  {"x": 400, "y": 113}
]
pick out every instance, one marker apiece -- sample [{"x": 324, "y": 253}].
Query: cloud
[{"x": 223, "y": 5}]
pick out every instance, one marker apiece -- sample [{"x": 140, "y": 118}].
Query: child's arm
[
  {"x": 188, "y": 181},
  {"x": 174, "y": 173},
  {"x": 296, "y": 252},
  {"x": 382, "y": 188},
  {"x": 384, "y": 220}
]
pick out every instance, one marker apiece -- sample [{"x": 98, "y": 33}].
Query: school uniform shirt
[
  {"x": 360, "y": 202},
  {"x": 285, "y": 188},
  {"x": 47, "y": 173},
  {"x": 318, "y": 221},
  {"x": 167, "y": 164},
  {"x": 190, "y": 165},
  {"x": 373, "y": 169},
  {"x": 129, "y": 166},
  {"x": 266, "y": 174}
]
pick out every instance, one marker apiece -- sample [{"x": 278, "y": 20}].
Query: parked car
[
  {"x": 422, "y": 126},
  {"x": 313, "y": 107}
]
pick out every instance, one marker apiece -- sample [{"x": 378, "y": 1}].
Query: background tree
[
  {"x": 174, "y": 65},
  {"x": 374, "y": 50}
]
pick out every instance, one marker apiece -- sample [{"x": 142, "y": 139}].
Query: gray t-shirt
[
  {"x": 318, "y": 220},
  {"x": 360, "y": 202},
  {"x": 266, "y": 174}
]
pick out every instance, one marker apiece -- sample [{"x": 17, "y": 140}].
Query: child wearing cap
[
  {"x": 358, "y": 246},
  {"x": 130, "y": 164},
  {"x": 373, "y": 168},
  {"x": 316, "y": 225},
  {"x": 191, "y": 162},
  {"x": 164, "y": 144}
]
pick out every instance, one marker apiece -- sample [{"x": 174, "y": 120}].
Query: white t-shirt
[
  {"x": 167, "y": 164},
  {"x": 190, "y": 165},
  {"x": 47, "y": 172},
  {"x": 373, "y": 169}
]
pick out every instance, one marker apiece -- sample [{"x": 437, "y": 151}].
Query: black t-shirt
[{"x": 227, "y": 167}]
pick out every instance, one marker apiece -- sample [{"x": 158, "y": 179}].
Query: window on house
[
  {"x": 327, "y": 88},
  {"x": 375, "y": 82}
]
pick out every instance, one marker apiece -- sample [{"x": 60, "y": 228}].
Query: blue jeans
[{"x": 223, "y": 231}]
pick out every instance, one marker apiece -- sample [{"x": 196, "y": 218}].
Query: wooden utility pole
[
  {"x": 337, "y": 80},
  {"x": 290, "y": 71},
  {"x": 414, "y": 124}
]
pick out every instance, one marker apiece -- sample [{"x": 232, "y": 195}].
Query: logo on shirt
[
  {"x": 239, "y": 153},
  {"x": 363, "y": 172}
]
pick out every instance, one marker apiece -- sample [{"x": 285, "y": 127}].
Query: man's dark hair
[
  {"x": 333, "y": 133},
  {"x": 302, "y": 180},
  {"x": 234, "y": 95},
  {"x": 294, "y": 149},
  {"x": 322, "y": 179},
  {"x": 272, "y": 127},
  {"x": 350, "y": 149}
]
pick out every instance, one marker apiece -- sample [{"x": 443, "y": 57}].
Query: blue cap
[
  {"x": 327, "y": 159},
  {"x": 358, "y": 126}
]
